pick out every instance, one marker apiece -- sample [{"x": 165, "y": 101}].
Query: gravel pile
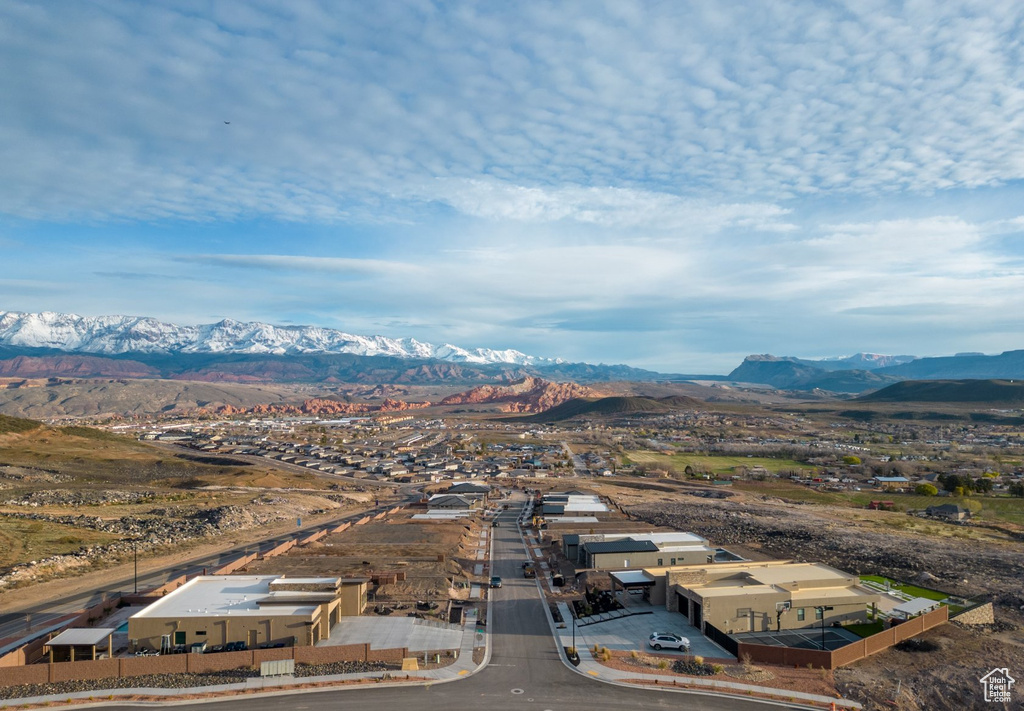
[
  {"x": 183, "y": 681},
  {"x": 160, "y": 681},
  {"x": 303, "y": 670}
]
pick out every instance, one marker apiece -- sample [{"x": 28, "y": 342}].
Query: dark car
[{"x": 495, "y": 581}]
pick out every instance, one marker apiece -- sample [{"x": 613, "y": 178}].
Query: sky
[{"x": 669, "y": 185}]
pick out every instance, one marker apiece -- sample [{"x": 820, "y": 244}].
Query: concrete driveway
[
  {"x": 629, "y": 633},
  {"x": 394, "y": 633}
]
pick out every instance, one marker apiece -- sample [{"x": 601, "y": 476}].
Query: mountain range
[
  {"x": 49, "y": 344},
  {"x": 844, "y": 375},
  {"x": 43, "y": 345},
  {"x": 116, "y": 335}
]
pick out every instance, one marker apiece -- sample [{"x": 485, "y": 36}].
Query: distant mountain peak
[{"x": 115, "y": 335}]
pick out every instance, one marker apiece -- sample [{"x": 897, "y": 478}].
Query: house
[
  {"x": 610, "y": 551},
  {"x": 762, "y": 596},
  {"x": 451, "y": 502},
  {"x": 469, "y": 490},
  {"x": 950, "y": 512},
  {"x": 258, "y": 610}
]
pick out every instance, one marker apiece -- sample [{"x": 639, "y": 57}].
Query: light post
[
  {"x": 822, "y": 609},
  {"x": 135, "y": 556},
  {"x": 574, "y": 636}
]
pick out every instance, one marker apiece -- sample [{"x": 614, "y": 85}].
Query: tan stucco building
[
  {"x": 762, "y": 596},
  {"x": 254, "y": 609}
]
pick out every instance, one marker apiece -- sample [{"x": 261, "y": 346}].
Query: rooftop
[{"x": 221, "y": 595}]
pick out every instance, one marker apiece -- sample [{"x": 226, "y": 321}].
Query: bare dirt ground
[
  {"x": 983, "y": 567},
  {"x": 431, "y": 554}
]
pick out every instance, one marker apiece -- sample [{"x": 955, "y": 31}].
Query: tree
[
  {"x": 851, "y": 460},
  {"x": 1017, "y": 489},
  {"x": 925, "y": 490},
  {"x": 984, "y": 485}
]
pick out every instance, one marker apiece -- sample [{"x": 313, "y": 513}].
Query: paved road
[
  {"x": 525, "y": 672},
  {"x": 577, "y": 461}
]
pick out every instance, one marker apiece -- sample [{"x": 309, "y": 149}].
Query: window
[
  {"x": 660, "y": 561},
  {"x": 818, "y": 613},
  {"x": 800, "y": 614},
  {"x": 179, "y": 637},
  {"x": 202, "y": 632},
  {"x": 673, "y": 561}
]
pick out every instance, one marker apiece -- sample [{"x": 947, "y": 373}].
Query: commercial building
[
  {"x": 756, "y": 597},
  {"x": 258, "y": 610}
]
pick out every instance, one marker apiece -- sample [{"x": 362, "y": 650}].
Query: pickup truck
[{"x": 529, "y": 572}]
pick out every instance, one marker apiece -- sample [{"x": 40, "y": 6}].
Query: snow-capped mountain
[{"x": 112, "y": 335}]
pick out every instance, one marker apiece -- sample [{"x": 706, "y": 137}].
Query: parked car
[
  {"x": 495, "y": 581},
  {"x": 667, "y": 640}
]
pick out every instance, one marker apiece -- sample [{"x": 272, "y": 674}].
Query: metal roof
[
  {"x": 916, "y": 606},
  {"x": 84, "y": 636},
  {"x": 624, "y": 546}
]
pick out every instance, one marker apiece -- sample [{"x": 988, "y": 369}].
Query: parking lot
[{"x": 629, "y": 633}]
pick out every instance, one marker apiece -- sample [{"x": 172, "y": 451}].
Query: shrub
[
  {"x": 693, "y": 667},
  {"x": 718, "y": 668},
  {"x": 915, "y": 644},
  {"x": 663, "y": 664}
]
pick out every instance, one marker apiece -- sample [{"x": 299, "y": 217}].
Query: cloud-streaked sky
[{"x": 666, "y": 184}]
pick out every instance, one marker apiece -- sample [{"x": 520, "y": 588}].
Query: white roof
[
  {"x": 631, "y": 577},
  {"x": 571, "y": 519},
  {"x": 221, "y": 595},
  {"x": 84, "y": 636},
  {"x": 443, "y": 514},
  {"x": 916, "y": 606}
]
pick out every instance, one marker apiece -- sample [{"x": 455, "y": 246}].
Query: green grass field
[
  {"x": 865, "y": 630},
  {"x": 912, "y": 590},
  {"x": 726, "y": 466}
]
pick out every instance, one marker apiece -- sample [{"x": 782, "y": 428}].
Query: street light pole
[{"x": 135, "y": 555}]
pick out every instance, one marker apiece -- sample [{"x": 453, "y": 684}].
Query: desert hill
[
  {"x": 617, "y": 405},
  {"x": 990, "y": 392}
]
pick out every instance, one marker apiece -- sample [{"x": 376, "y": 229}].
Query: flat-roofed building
[
  {"x": 259, "y": 610},
  {"x": 762, "y": 596},
  {"x": 612, "y": 551}
]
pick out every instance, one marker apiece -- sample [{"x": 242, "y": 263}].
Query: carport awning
[
  {"x": 916, "y": 606},
  {"x": 632, "y": 579}
]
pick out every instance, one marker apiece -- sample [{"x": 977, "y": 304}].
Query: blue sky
[{"x": 670, "y": 185}]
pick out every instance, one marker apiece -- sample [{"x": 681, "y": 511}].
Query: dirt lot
[
  {"x": 431, "y": 554},
  {"x": 984, "y": 567}
]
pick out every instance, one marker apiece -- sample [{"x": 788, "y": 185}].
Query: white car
[{"x": 667, "y": 640}]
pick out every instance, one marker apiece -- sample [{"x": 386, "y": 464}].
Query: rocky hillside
[{"x": 527, "y": 395}]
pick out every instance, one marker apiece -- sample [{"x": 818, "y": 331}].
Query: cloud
[
  {"x": 607, "y": 207},
  {"x": 347, "y": 114},
  {"x": 281, "y": 262}
]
